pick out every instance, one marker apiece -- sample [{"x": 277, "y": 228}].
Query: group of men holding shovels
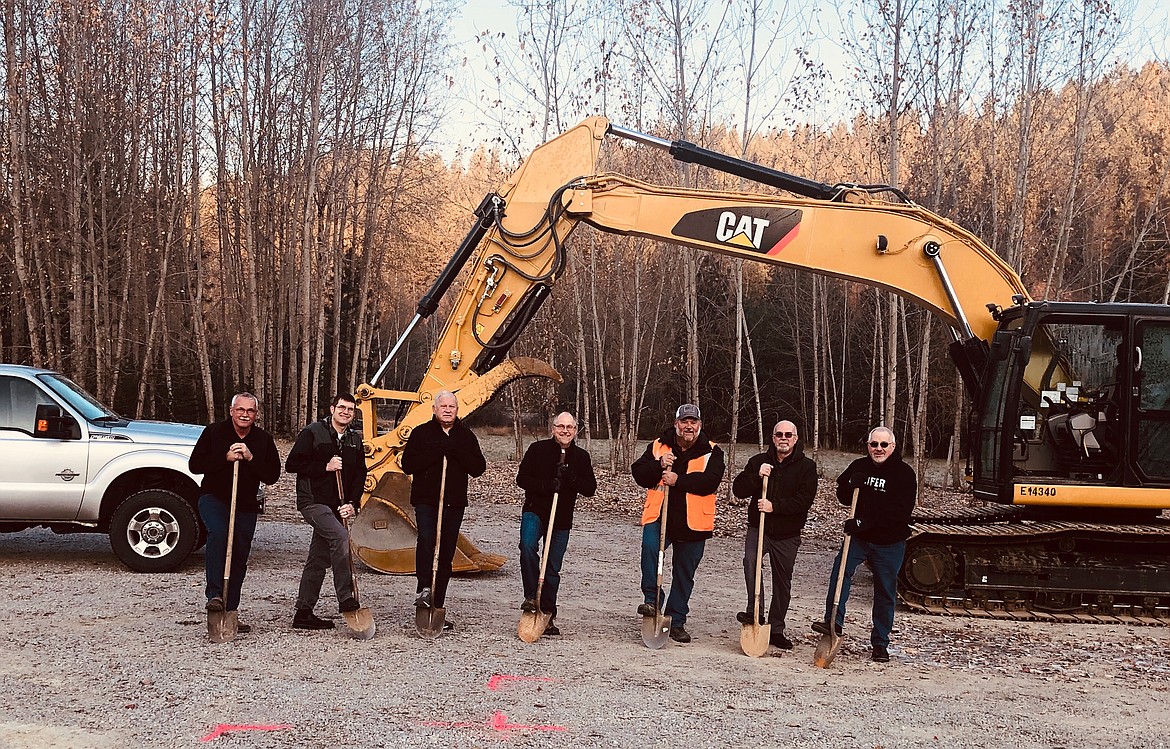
[{"x": 680, "y": 471}]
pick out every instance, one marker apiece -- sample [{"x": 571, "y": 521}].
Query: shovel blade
[
  {"x": 826, "y": 651},
  {"x": 222, "y": 626},
  {"x": 655, "y": 631},
  {"x": 429, "y": 622},
  {"x": 360, "y": 623},
  {"x": 532, "y": 625},
  {"x": 755, "y": 638}
]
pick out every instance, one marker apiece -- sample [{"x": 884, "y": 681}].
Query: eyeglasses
[
  {"x": 785, "y": 435},
  {"x": 244, "y": 410},
  {"x": 564, "y": 426},
  {"x": 880, "y": 444}
]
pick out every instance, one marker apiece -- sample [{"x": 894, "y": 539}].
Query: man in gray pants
[{"x": 325, "y": 450}]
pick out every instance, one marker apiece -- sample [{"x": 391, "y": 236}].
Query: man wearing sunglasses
[
  {"x": 887, "y": 489},
  {"x": 792, "y": 486}
]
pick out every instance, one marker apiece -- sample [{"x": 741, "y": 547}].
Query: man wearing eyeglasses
[
  {"x": 560, "y": 467},
  {"x": 887, "y": 489},
  {"x": 325, "y": 450},
  {"x": 792, "y": 486},
  {"x": 684, "y": 468},
  {"x": 236, "y": 440}
]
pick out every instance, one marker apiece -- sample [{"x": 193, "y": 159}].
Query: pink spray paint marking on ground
[
  {"x": 223, "y": 728},
  {"x": 499, "y": 679},
  {"x": 498, "y": 722}
]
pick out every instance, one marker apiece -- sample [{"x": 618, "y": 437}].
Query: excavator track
[{"x": 995, "y": 563}]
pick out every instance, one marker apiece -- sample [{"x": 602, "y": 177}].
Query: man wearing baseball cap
[{"x": 683, "y": 468}]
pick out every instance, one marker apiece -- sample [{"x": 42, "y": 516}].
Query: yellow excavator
[{"x": 1070, "y": 433}]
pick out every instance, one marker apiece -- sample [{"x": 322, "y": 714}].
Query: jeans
[
  {"x": 885, "y": 560},
  {"x": 532, "y": 533},
  {"x": 427, "y": 517},
  {"x": 329, "y": 548},
  {"x": 684, "y": 564},
  {"x": 215, "y": 514},
  {"x": 781, "y": 553}
]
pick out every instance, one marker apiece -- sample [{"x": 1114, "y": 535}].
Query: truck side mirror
[{"x": 52, "y": 425}]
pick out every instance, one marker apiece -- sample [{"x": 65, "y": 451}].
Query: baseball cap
[{"x": 687, "y": 411}]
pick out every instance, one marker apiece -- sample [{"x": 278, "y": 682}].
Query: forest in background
[{"x": 202, "y": 197}]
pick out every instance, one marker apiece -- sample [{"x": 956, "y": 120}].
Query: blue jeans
[
  {"x": 215, "y": 514},
  {"x": 531, "y": 534},
  {"x": 885, "y": 560},
  {"x": 683, "y": 566},
  {"x": 328, "y": 549},
  {"x": 427, "y": 518}
]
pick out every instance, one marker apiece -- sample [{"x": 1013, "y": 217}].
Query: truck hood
[{"x": 149, "y": 432}]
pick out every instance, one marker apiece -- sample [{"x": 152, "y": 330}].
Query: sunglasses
[
  {"x": 880, "y": 444},
  {"x": 785, "y": 435}
]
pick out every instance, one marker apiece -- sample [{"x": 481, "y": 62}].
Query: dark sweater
[
  {"x": 422, "y": 460},
  {"x": 210, "y": 458},
  {"x": 792, "y": 487},
  {"x": 536, "y": 474},
  {"x": 315, "y": 447},
  {"x": 886, "y": 499},
  {"x": 647, "y": 471}
]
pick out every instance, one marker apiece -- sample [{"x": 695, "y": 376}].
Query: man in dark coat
[
  {"x": 887, "y": 490},
  {"x": 443, "y": 437},
  {"x": 682, "y": 468},
  {"x": 325, "y": 450},
  {"x": 553, "y": 466},
  {"x": 237, "y": 440},
  {"x": 792, "y": 486}
]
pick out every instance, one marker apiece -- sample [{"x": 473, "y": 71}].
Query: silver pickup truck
[{"x": 70, "y": 464}]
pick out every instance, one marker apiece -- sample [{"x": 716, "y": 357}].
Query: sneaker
[
  {"x": 646, "y": 609},
  {"x": 529, "y": 605},
  {"x": 779, "y": 640},
  {"x": 423, "y": 599},
  {"x": 678, "y": 634},
  {"x": 745, "y": 617},
  {"x": 822, "y": 628},
  {"x": 306, "y": 619},
  {"x": 552, "y": 629},
  {"x": 215, "y": 604},
  {"x": 242, "y": 628},
  {"x": 349, "y": 604},
  {"x": 448, "y": 625},
  {"x": 880, "y": 654}
]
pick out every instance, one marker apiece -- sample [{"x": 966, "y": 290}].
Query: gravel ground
[{"x": 95, "y": 656}]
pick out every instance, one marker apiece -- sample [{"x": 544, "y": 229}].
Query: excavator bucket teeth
[{"x": 385, "y": 532}]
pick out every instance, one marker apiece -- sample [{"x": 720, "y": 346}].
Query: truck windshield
[{"x": 88, "y": 406}]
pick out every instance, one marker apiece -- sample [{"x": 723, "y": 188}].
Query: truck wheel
[{"x": 153, "y": 531}]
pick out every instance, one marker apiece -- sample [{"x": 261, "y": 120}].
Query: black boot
[{"x": 306, "y": 619}]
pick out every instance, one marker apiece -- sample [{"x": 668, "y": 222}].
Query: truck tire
[{"x": 153, "y": 530}]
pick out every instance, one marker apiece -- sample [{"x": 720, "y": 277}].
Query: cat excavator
[{"x": 1070, "y": 427}]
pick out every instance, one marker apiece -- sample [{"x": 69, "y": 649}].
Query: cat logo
[{"x": 751, "y": 228}]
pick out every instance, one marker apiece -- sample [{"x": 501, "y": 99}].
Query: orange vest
[{"x": 700, "y": 507}]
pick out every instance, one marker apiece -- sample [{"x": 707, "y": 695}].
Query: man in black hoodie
[
  {"x": 684, "y": 468},
  {"x": 887, "y": 489},
  {"x": 792, "y": 486}
]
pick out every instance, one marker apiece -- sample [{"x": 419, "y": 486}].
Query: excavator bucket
[{"x": 385, "y": 532}]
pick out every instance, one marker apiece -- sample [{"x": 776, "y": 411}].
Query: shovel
[
  {"x": 656, "y": 629},
  {"x": 754, "y": 638},
  {"x": 222, "y": 625},
  {"x": 429, "y": 620},
  {"x": 830, "y": 643},
  {"x": 533, "y": 623},
  {"x": 360, "y": 621}
]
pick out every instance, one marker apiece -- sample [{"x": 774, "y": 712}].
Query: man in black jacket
[
  {"x": 887, "y": 490},
  {"x": 553, "y": 466},
  {"x": 234, "y": 440},
  {"x": 323, "y": 451},
  {"x": 683, "y": 468},
  {"x": 444, "y": 436},
  {"x": 792, "y": 486}
]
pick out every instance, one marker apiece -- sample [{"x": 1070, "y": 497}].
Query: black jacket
[
  {"x": 792, "y": 487},
  {"x": 210, "y": 458},
  {"x": 647, "y": 473},
  {"x": 886, "y": 500},
  {"x": 422, "y": 460},
  {"x": 537, "y": 471},
  {"x": 315, "y": 447}
]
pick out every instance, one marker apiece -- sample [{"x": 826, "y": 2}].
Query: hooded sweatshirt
[
  {"x": 886, "y": 499},
  {"x": 647, "y": 471},
  {"x": 792, "y": 487}
]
